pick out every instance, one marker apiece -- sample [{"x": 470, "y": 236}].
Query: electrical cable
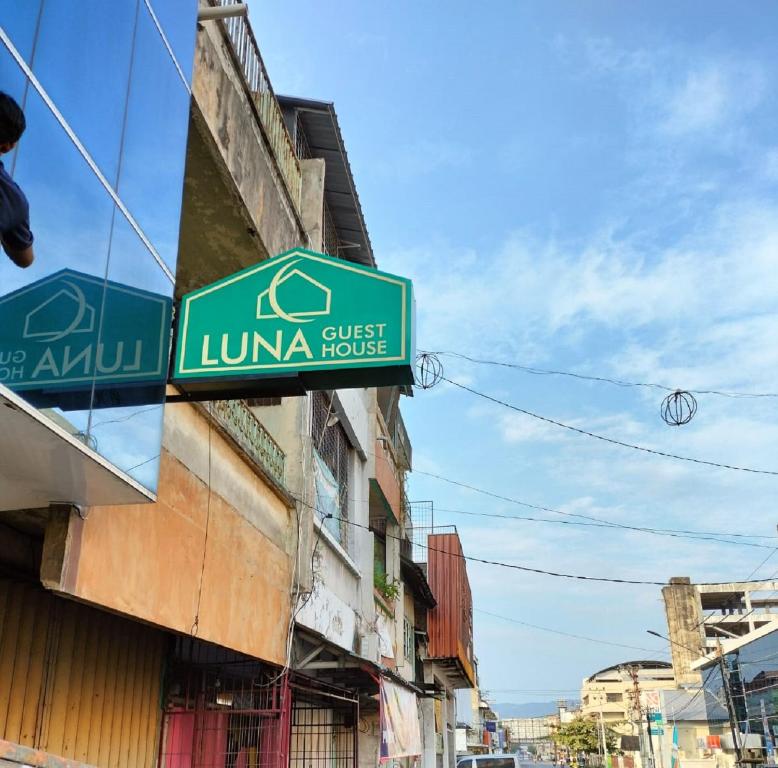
[
  {"x": 610, "y": 440},
  {"x": 604, "y": 379},
  {"x": 694, "y": 698},
  {"x": 654, "y": 532},
  {"x": 126, "y": 418},
  {"x": 513, "y": 566},
  {"x": 196, "y": 623},
  {"x": 564, "y": 634},
  {"x": 604, "y": 521}
]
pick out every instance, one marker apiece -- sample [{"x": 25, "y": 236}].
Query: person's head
[{"x": 12, "y": 123}]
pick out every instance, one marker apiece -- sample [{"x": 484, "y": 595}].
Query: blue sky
[{"x": 584, "y": 186}]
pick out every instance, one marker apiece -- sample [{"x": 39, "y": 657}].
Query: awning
[
  {"x": 335, "y": 665},
  {"x": 41, "y": 463}
]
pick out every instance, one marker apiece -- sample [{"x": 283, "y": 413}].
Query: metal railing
[
  {"x": 241, "y": 425},
  {"x": 329, "y": 237},
  {"x": 246, "y": 51}
]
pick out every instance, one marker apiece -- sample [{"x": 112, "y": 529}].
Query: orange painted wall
[
  {"x": 147, "y": 560},
  {"x": 387, "y": 479}
]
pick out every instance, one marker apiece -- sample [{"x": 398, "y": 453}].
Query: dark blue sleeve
[
  {"x": 15, "y": 219},
  {"x": 18, "y": 236}
]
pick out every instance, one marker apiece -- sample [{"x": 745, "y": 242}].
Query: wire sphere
[
  {"x": 678, "y": 408},
  {"x": 429, "y": 370}
]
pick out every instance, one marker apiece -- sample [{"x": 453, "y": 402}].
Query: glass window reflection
[
  {"x": 21, "y": 25},
  {"x": 88, "y": 81},
  {"x": 155, "y": 150},
  {"x": 85, "y": 332},
  {"x": 136, "y": 336},
  {"x": 178, "y": 19}
]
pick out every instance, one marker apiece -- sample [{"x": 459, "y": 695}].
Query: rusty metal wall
[
  {"x": 77, "y": 682},
  {"x": 445, "y": 573},
  {"x": 450, "y": 623}
]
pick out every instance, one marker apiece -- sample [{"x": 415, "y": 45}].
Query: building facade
[
  {"x": 215, "y": 584},
  {"x": 700, "y": 616},
  {"x": 612, "y": 695},
  {"x": 531, "y": 734}
]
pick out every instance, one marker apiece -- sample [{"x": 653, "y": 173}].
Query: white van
[{"x": 488, "y": 761}]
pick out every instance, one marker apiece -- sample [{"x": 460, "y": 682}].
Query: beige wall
[
  {"x": 617, "y": 714},
  {"x": 147, "y": 561}
]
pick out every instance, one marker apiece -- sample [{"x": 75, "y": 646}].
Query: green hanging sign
[{"x": 298, "y": 321}]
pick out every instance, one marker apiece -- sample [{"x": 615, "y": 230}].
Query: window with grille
[
  {"x": 331, "y": 467},
  {"x": 409, "y": 645}
]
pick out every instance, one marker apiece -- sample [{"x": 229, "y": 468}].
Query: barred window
[
  {"x": 331, "y": 459},
  {"x": 409, "y": 645}
]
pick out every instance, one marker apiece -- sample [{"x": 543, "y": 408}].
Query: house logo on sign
[
  {"x": 66, "y": 312},
  {"x": 291, "y": 287}
]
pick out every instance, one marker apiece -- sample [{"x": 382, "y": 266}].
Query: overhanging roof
[
  {"x": 41, "y": 463},
  {"x": 347, "y": 669},
  {"x": 322, "y": 131},
  {"x": 413, "y": 574}
]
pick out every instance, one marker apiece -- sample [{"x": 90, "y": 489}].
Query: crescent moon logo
[
  {"x": 273, "y": 299},
  {"x": 81, "y": 299}
]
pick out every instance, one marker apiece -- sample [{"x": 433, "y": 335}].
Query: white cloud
[
  {"x": 769, "y": 164},
  {"x": 715, "y": 94}
]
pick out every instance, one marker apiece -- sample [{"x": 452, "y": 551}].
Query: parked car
[{"x": 488, "y": 761}]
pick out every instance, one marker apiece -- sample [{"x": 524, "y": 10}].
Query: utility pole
[
  {"x": 730, "y": 705},
  {"x": 604, "y": 741},
  {"x": 637, "y": 712},
  {"x": 650, "y": 740}
]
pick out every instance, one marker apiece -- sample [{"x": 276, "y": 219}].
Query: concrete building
[
  {"x": 610, "y": 694},
  {"x": 532, "y": 734},
  {"x": 700, "y": 616},
  {"x": 193, "y": 585},
  {"x": 740, "y": 687}
]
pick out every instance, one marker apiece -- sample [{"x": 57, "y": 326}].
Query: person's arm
[
  {"x": 17, "y": 238},
  {"x": 22, "y": 257}
]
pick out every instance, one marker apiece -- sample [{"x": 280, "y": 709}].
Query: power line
[
  {"x": 655, "y": 532},
  {"x": 604, "y": 379},
  {"x": 565, "y": 634},
  {"x": 501, "y": 564},
  {"x": 610, "y": 440},
  {"x": 693, "y": 698},
  {"x": 603, "y": 521}
]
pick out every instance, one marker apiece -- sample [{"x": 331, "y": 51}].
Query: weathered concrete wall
[
  {"x": 369, "y": 740},
  {"x": 214, "y": 563},
  {"x": 312, "y": 201},
  {"x": 684, "y": 624},
  {"x": 221, "y": 97},
  {"x": 341, "y": 606}
]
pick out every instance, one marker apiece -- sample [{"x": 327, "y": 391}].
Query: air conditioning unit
[{"x": 367, "y": 646}]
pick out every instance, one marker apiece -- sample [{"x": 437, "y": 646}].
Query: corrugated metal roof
[
  {"x": 322, "y": 131},
  {"x": 640, "y": 664}
]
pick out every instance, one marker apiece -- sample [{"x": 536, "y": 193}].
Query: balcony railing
[
  {"x": 239, "y": 424},
  {"x": 246, "y": 51}
]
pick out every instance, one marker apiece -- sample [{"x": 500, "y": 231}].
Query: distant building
[
  {"x": 699, "y": 616},
  {"x": 610, "y": 693},
  {"x": 531, "y": 734}
]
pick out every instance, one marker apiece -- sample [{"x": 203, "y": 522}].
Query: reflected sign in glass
[
  {"x": 70, "y": 330},
  {"x": 328, "y": 321}
]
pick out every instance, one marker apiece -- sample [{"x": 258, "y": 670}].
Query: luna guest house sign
[
  {"x": 296, "y": 322},
  {"x": 75, "y": 340}
]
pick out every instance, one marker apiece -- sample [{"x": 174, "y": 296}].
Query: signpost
[
  {"x": 295, "y": 322},
  {"x": 69, "y": 333}
]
